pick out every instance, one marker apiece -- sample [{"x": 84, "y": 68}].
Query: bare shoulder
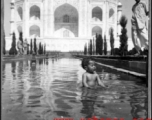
[
  {"x": 96, "y": 75},
  {"x": 84, "y": 74}
]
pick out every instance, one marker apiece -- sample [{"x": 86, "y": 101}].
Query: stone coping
[
  {"x": 24, "y": 57},
  {"x": 136, "y": 68},
  {"x": 129, "y": 57}
]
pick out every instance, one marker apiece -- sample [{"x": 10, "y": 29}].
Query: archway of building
[
  {"x": 96, "y": 30},
  {"x": 19, "y": 14},
  {"x": 97, "y": 14},
  {"x": 111, "y": 15},
  {"x": 19, "y": 29},
  {"x": 34, "y": 31},
  {"x": 66, "y": 21},
  {"x": 34, "y": 13}
]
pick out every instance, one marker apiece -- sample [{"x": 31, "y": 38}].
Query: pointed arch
[
  {"x": 35, "y": 12},
  {"x": 66, "y": 19},
  {"x": 19, "y": 13},
  {"x": 19, "y": 28},
  {"x": 111, "y": 15},
  {"x": 96, "y": 30},
  {"x": 97, "y": 14},
  {"x": 34, "y": 31}
]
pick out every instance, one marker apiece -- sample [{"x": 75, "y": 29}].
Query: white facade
[{"x": 65, "y": 25}]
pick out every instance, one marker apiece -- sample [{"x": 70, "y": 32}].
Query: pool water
[{"x": 48, "y": 89}]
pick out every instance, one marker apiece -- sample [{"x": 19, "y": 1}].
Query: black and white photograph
[{"x": 76, "y": 60}]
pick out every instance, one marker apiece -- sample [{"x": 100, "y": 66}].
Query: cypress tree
[
  {"x": 28, "y": 51},
  {"x": 100, "y": 44},
  {"x": 96, "y": 44},
  {"x": 31, "y": 47},
  {"x": 93, "y": 46},
  {"x": 35, "y": 47},
  {"x": 21, "y": 38},
  {"x": 112, "y": 41},
  {"x": 105, "y": 45},
  {"x": 44, "y": 49},
  {"x": 123, "y": 37},
  {"x": 13, "y": 50},
  {"x": 85, "y": 49},
  {"x": 40, "y": 50},
  {"x": 90, "y": 47}
]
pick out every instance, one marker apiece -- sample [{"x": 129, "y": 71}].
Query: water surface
[{"x": 48, "y": 90}]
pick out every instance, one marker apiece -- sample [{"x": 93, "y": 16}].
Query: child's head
[
  {"x": 137, "y": 1},
  {"x": 88, "y": 65}
]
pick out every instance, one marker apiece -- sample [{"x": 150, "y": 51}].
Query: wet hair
[{"x": 85, "y": 62}]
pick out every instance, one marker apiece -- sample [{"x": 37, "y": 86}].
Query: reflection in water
[
  {"x": 48, "y": 89},
  {"x": 139, "y": 104},
  {"x": 88, "y": 101},
  {"x": 40, "y": 61}
]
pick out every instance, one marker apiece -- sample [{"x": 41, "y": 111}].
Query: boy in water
[{"x": 90, "y": 78}]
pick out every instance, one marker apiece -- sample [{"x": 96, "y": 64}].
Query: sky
[{"x": 126, "y": 10}]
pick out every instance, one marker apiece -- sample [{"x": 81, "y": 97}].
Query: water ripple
[{"x": 48, "y": 90}]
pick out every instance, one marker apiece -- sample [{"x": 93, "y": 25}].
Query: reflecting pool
[{"x": 47, "y": 88}]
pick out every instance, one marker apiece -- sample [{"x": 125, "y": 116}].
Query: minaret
[
  {"x": 118, "y": 17},
  {"x": 12, "y": 17}
]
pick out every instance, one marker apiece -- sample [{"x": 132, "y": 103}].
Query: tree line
[
  {"x": 32, "y": 48},
  {"x": 98, "y": 46}
]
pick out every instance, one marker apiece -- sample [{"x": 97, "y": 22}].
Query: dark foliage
[
  {"x": 13, "y": 50},
  {"x": 116, "y": 51},
  {"x": 123, "y": 37},
  {"x": 111, "y": 41},
  {"x": 35, "y": 46},
  {"x": 132, "y": 52},
  {"x": 100, "y": 44},
  {"x": 21, "y": 38},
  {"x": 105, "y": 45},
  {"x": 90, "y": 51},
  {"x": 31, "y": 47},
  {"x": 96, "y": 44},
  {"x": 85, "y": 49}
]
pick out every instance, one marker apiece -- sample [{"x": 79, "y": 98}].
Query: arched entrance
[
  {"x": 19, "y": 29},
  {"x": 97, "y": 14},
  {"x": 66, "y": 21},
  {"x": 96, "y": 30},
  {"x": 19, "y": 14},
  {"x": 34, "y": 13},
  {"x": 111, "y": 15},
  {"x": 34, "y": 31}
]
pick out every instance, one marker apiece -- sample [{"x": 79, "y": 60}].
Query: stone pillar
[
  {"x": 45, "y": 17},
  {"x": 50, "y": 18},
  {"x": 118, "y": 18},
  {"x": 107, "y": 18},
  {"x": 80, "y": 19},
  {"x": 26, "y": 16},
  {"x": 104, "y": 19},
  {"x": 42, "y": 20},
  {"x": 89, "y": 20},
  {"x": 12, "y": 22}
]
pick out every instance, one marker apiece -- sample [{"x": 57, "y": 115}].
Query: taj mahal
[{"x": 65, "y": 25}]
